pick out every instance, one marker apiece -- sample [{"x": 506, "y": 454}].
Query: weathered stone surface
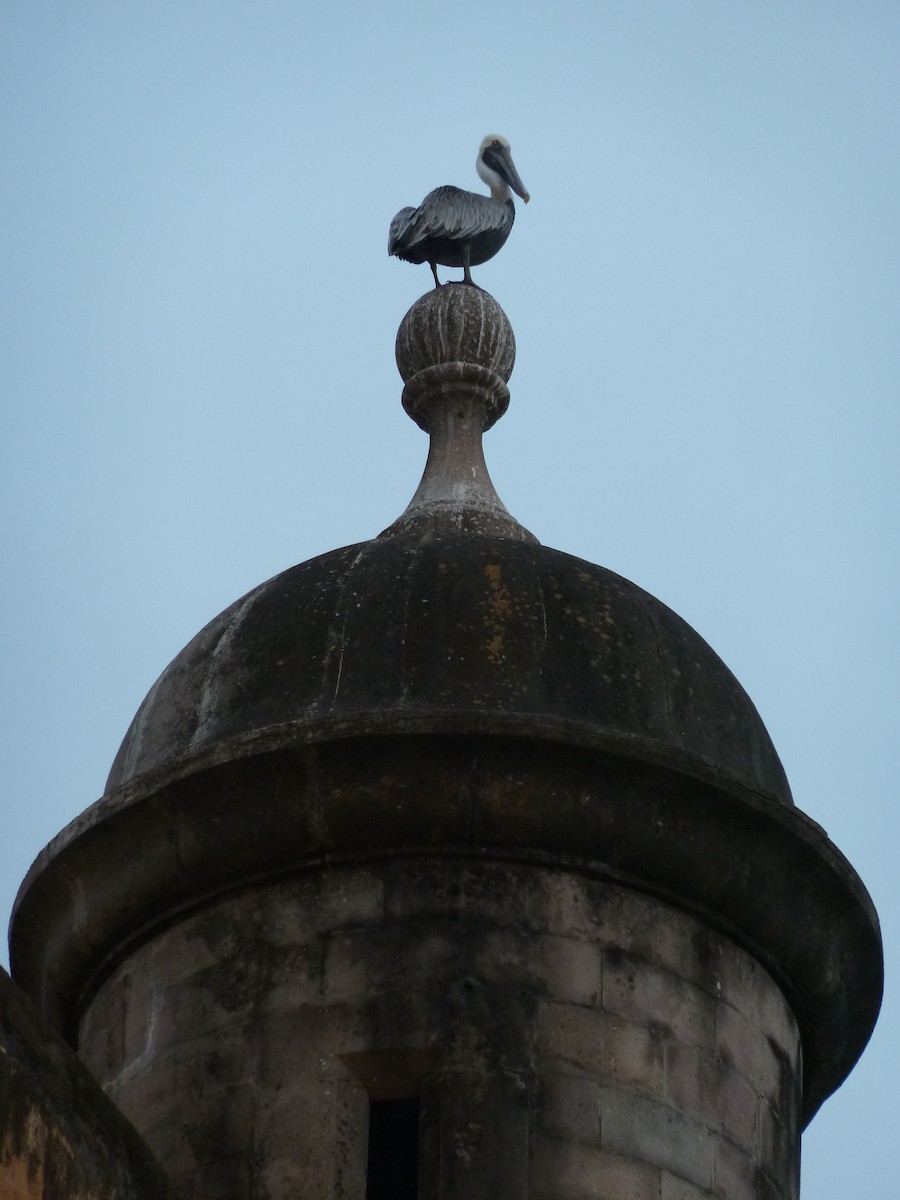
[
  {"x": 604, "y": 1044},
  {"x": 572, "y": 1036},
  {"x": 524, "y": 801},
  {"x": 735, "y": 1172},
  {"x": 284, "y": 813},
  {"x": 702, "y": 1085},
  {"x": 779, "y": 1137},
  {"x": 744, "y": 1048},
  {"x": 634, "y": 1056},
  {"x": 475, "y": 1135},
  {"x": 673, "y": 1188},
  {"x": 506, "y": 1030},
  {"x": 455, "y": 352},
  {"x": 657, "y": 999},
  {"x": 364, "y": 630},
  {"x": 59, "y": 1135},
  {"x": 568, "y": 1108},
  {"x": 651, "y": 1132},
  {"x": 455, "y": 324},
  {"x": 307, "y": 1139},
  {"x": 567, "y": 1171}
]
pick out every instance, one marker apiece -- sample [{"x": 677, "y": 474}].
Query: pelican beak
[
  {"x": 511, "y": 175},
  {"x": 500, "y": 159}
]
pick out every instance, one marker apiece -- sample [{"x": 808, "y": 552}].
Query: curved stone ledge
[{"x": 141, "y": 857}]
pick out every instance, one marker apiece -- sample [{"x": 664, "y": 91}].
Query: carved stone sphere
[{"x": 456, "y": 323}]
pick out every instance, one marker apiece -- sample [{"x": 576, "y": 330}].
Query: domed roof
[
  {"x": 475, "y": 634},
  {"x": 454, "y": 619}
]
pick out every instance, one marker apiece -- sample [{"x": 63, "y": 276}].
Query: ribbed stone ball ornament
[
  {"x": 455, "y": 353},
  {"x": 456, "y": 323}
]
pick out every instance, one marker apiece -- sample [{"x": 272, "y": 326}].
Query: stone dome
[
  {"x": 477, "y": 634},
  {"x": 454, "y": 618}
]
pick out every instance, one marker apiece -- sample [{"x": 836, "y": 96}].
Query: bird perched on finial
[{"x": 457, "y": 228}]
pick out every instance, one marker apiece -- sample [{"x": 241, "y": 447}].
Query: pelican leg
[
  {"x": 467, "y": 274},
  {"x": 437, "y": 282}
]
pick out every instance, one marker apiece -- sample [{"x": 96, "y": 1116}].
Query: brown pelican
[{"x": 457, "y": 228}]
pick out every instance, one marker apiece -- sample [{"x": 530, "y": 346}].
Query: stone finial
[{"x": 455, "y": 353}]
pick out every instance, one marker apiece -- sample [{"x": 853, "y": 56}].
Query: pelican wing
[
  {"x": 399, "y": 227},
  {"x": 451, "y": 212}
]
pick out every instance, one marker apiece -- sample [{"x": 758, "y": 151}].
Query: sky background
[{"x": 199, "y": 390}]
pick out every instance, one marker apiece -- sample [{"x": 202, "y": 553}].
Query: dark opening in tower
[{"x": 393, "y": 1163}]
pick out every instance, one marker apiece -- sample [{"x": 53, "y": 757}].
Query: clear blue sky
[{"x": 199, "y": 388}]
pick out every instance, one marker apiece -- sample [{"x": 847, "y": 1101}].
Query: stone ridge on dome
[{"x": 474, "y": 634}]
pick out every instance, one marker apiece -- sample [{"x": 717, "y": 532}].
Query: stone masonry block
[
  {"x": 101, "y": 1040},
  {"x": 734, "y": 1172},
  {"x": 291, "y": 1043},
  {"x": 779, "y": 1150},
  {"x": 121, "y": 1030},
  {"x": 651, "y": 996},
  {"x": 430, "y": 958},
  {"x": 717, "y": 965},
  {"x": 293, "y": 975},
  {"x": 348, "y": 969},
  {"x": 567, "y": 969},
  {"x": 175, "y": 955},
  {"x": 642, "y": 1129},
  {"x": 714, "y": 964},
  {"x": 183, "y": 1080},
  {"x": 767, "y": 1007},
  {"x": 475, "y": 1128},
  {"x": 701, "y": 955},
  {"x": 742, "y": 1047},
  {"x": 706, "y": 1088},
  {"x": 571, "y": 1035},
  {"x": 673, "y": 1188},
  {"x": 568, "y": 904},
  {"x": 494, "y": 894},
  {"x": 182, "y": 1010},
  {"x": 228, "y": 1177},
  {"x": 410, "y": 957},
  {"x": 296, "y": 1042},
  {"x": 568, "y": 1108},
  {"x": 633, "y": 1056},
  {"x": 170, "y": 1143},
  {"x": 562, "y": 968},
  {"x": 626, "y": 919},
  {"x": 179, "y": 953},
  {"x": 605, "y": 1046},
  {"x": 306, "y": 906},
  {"x": 566, "y": 1171},
  {"x": 192, "y": 1135},
  {"x": 311, "y": 1141},
  {"x": 226, "y": 1118},
  {"x": 149, "y": 1096}
]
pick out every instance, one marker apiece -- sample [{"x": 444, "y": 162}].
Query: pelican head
[{"x": 496, "y": 168}]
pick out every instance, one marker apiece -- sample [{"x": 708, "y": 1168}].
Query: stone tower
[{"x": 448, "y": 865}]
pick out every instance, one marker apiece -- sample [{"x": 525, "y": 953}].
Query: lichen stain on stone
[
  {"x": 500, "y": 608},
  {"x": 19, "y": 1180},
  {"x": 29, "y": 1145}
]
